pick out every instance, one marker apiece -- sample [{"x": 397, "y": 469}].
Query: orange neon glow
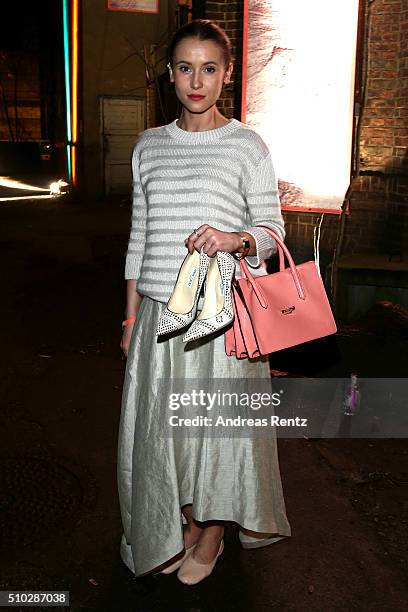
[
  {"x": 74, "y": 89},
  {"x": 73, "y": 164}
]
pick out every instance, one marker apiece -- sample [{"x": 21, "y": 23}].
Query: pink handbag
[{"x": 278, "y": 310}]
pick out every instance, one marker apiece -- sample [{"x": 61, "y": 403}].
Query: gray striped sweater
[{"x": 223, "y": 177}]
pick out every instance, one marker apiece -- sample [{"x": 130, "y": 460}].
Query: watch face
[{"x": 246, "y": 245}]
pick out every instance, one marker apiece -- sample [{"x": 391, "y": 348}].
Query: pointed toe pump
[
  {"x": 217, "y": 309},
  {"x": 192, "y": 572},
  {"x": 182, "y": 305}
]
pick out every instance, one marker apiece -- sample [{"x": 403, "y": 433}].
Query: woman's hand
[
  {"x": 213, "y": 240},
  {"x": 126, "y": 336}
]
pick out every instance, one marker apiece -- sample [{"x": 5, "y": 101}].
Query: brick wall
[
  {"x": 378, "y": 205},
  {"x": 229, "y": 16},
  {"x": 378, "y": 216},
  {"x": 20, "y": 113}
]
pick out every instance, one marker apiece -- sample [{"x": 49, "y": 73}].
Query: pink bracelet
[{"x": 128, "y": 321}]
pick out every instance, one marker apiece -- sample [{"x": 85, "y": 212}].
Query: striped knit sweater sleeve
[
  {"x": 264, "y": 209},
  {"x": 181, "y": 180},
  {"x": 137, "y": 239}
]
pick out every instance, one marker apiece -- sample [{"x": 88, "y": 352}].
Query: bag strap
[
  {"x": 283, "y": 250},
  {"x": 236, "y": 295}
]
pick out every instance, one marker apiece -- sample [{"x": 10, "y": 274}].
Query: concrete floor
[{"x": 61, "y": 308}]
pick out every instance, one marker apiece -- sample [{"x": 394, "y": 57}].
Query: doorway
[{"x": 122, "y": 119}]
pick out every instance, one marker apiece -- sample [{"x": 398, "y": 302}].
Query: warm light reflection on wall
[{"x": 299, "y": 92}]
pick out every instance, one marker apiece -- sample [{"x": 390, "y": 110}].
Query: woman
[{"x": 202, "y": 182}]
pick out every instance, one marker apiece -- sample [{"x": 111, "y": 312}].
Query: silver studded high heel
[
  {"x": 217, "y": 309},
  {"x": 182, "y": 305}
]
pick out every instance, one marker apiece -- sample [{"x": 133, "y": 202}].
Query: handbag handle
[{"x": 283, "y": 250}]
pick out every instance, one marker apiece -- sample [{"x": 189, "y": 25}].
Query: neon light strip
[
  {"x": 74, "y": 77},
  {"x": 67, "y": 84},
  {"x": 329, "y": 211}
]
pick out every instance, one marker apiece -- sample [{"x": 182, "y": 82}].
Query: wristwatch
[{"x": 245, "y": 248}]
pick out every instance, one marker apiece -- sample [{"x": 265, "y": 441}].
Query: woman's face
[{"x": 198, "y": 73}]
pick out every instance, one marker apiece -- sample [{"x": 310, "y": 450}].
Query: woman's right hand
[{"x": 126, "y": 336}]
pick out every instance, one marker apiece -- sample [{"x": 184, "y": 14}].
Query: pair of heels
[
  {"x": 190, "y": 571},
  {"x": 217, "y": 309}
]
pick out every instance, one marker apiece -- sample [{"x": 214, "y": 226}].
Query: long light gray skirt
[{"x": 224, "y": 478}]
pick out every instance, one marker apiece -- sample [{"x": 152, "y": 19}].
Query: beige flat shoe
[
  {"x": 192, "y": 572},
  {"x": 172, "y": 568}
]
